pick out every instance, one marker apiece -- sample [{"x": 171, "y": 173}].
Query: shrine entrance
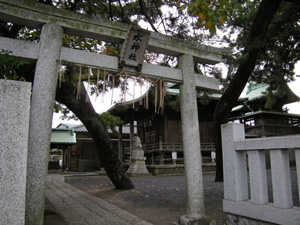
[{"x": 49, "y": 52}]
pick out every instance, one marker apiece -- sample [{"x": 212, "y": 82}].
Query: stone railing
[
  {"x": 165, "y": 147},
  {"x": 244, "y": 164},
  {"x": 165, "y": 150},
  {"x": 174, "y": 147}
]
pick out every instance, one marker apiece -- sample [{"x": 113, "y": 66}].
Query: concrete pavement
[{"x": 80, "y": 208}]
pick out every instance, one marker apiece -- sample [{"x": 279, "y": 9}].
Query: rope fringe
[
  {"x": 79, "y": 83},
  {"x": 108, "y": 78},
  {"x": 98, "y": 75},
  {"x": 160, "y": 93},
  {"x": 60, "y": 72},
  {"x": 88, "y": 87}
]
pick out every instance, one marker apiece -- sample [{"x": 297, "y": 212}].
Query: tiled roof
[
  {"x": 256, "y": 91},
  {"x": 82, "y": 129},
  {"x": 260, "y": 91},
  {"x": 66, "y": 125},
  {"x": 63, "y": 136}
]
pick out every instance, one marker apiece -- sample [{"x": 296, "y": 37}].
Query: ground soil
[
  {"x": 51, "y": 216},
  {"x": 159, "y": 200}
]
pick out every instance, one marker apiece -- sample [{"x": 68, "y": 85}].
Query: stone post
[
  {"x": 161, "y": 154},
  {"x": 43, "y": 96},
  {"x": 14, "y": 125},
  {"x": 152, "y": 159},
  {"x": 234, "y": 163},
  {"x": 191, "y": 144},
  {"x": 281, "y": 179}
]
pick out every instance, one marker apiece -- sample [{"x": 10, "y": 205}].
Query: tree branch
[
  {"x": 160, "y": 15},
  {"x": 143, "y": 11},
  {"x": 110, "y": 10},
  {"x": 91, "y": 120},
  {"x": 255, "y": 42},
  {"x": 122, "y": 12}
]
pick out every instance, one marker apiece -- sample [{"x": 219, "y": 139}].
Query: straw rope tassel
[
  {"x": 159, "y": 93},
  {"x": 60, "y": 74},
  {"x": 125, "y": 87},
  {"x": 141, "y": 90},
  {"x": 133, "y": 95},
  {"x": 79, "y": 83},
  {"x": 103, "y": 86},
  {"x": 98, "y": 75},
  {"x": 159, "y": 85},
  {"x": 147, "y": 93},
  {"x": 162, "y": 95},
  {"x": 113, "y": 87},
  {"x": 58, "y": 66},
  {"x": 88, "y": 87}
]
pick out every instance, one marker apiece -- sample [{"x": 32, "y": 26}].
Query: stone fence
[
  {"x": 14, "y": 124},
  {"x": 245, "y": 177}
]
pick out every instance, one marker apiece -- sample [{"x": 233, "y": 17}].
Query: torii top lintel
[{"x": 35, "y": 14}]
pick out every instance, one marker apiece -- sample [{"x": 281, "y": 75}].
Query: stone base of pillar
[
  {"x": 137, "y": 165},
  {"x": 184, "y": 220},
  {"x": 139, "y": 174}
]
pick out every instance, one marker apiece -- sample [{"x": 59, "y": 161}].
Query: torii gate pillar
[
  {"x": 191, "y": 144},
  {"x": 42, "y": 102}
]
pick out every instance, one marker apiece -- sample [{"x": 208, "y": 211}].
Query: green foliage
[
  {"x": 28, "y": 34},
  {"x": 111, "y": 121},
  {"x": 174, "y": 103},
  {"x": 111, "y": 49},
  {"x": 271, "y": 100},
  {"x": 205, "y": 99},
  {"x": 81, "y": 43},
  {"x": 57, "y": 107},
  {"x": 115, "y": 10},
  {"x": 9, "y": 66},
  {"x": 278, "y": 52},
  {"x": 210, "y": 14}
]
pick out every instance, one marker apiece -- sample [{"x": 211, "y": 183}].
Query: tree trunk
[
  {"x": 255, "y": 43},
  {"x": 85, "y": 112}
]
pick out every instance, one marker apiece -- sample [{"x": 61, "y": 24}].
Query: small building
[
  {"x": 83, "y": 155},
  {"x": 261, "y": 121},
  {"x": 61, "y": 140}
]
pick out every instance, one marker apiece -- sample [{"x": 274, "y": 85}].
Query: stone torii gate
[{"x": 48, "y": 52}]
